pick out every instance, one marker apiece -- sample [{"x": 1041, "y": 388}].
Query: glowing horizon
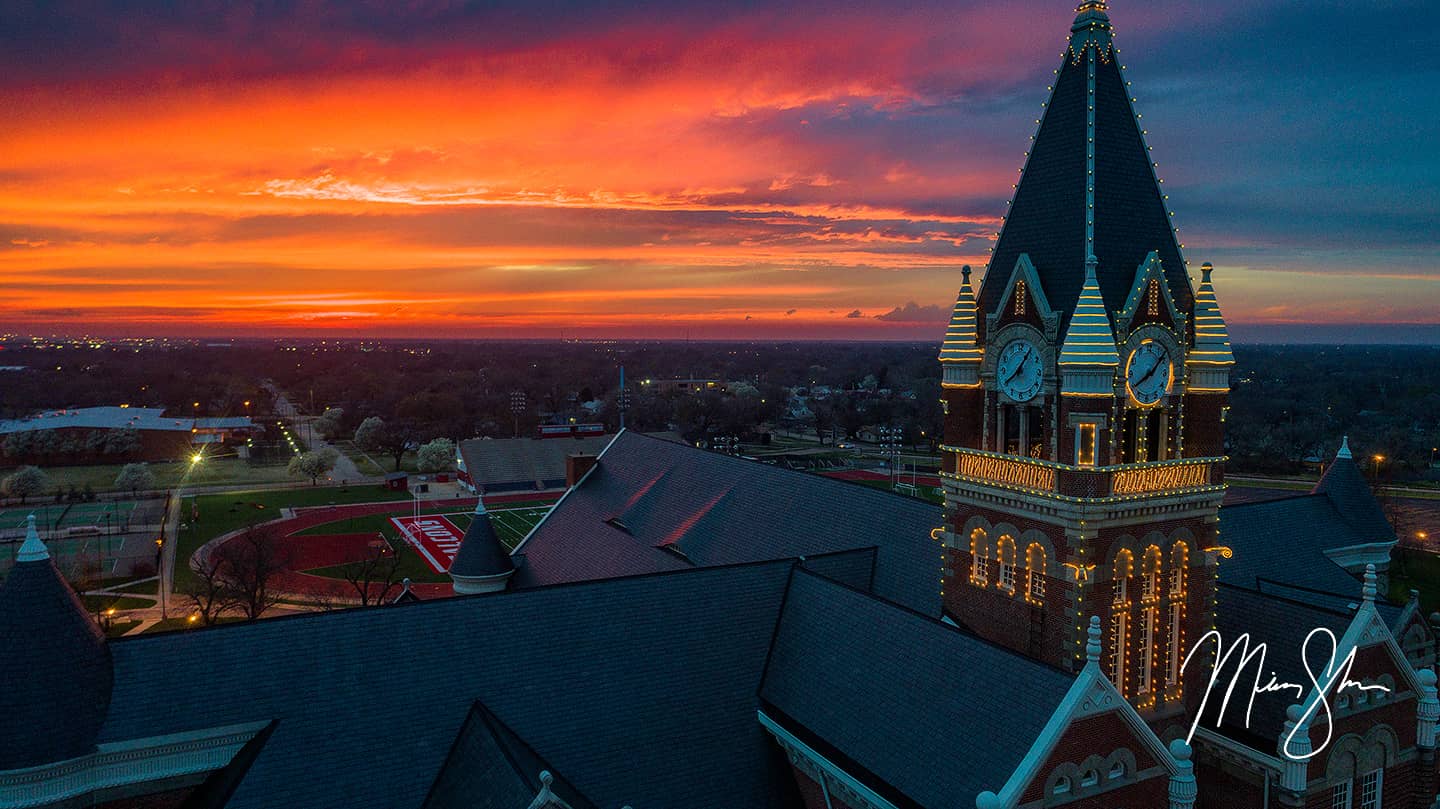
[{"x": 725, "y": 172}]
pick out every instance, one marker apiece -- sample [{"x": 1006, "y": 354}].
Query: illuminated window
[
  {"x": 1005, "y": 556},
  {"x": 1035, "y": 573},
  {"x": 979, "y": 558},
  {"x": 1019, "y": 297},
  {"x": 1154, "y": 304},
  {"x": 1120, "y": 620},
  {"x": 1087, "y": 440},
  {"x": 1370, "y": 789},
  {"x": 1179, "y": 558}
]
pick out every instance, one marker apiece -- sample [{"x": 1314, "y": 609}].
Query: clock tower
[{"x": 1084, "y": 390}]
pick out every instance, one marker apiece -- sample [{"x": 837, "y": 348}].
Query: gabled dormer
[
  {"x": 1150, "y": 302},
  {"x": 1024, "y": 301}
]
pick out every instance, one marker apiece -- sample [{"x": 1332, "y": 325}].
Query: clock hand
[{"x": 1150, "y": 373}]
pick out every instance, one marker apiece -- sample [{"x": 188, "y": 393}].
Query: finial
[
  {"x": 1092, "y": 646},
  {"x": 1091, "y": 263},
  {"x": 479, "y": 505},
  {"x": 1368, "y": 590},
  {"x": 987, "y": 800},
  {"x": 546, "y": 779},
  {"x": 1344, "y": 448},
  {"x": 1179, "y": 750},
  {"x": 1205, "y": 270},
  {"x": 33, "y": 550},
  {"x": 965, "y": 273}
]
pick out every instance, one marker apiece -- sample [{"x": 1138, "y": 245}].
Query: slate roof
[
  {"x": 510, "y": 463},
  {"x": 1046, "y": 219},
  {"x": 481, "y": 553},
  {"x": 903, "y": 699},
  {"x": 1285, "y": 541},
  {"x": 651, "y": 505},
  {"x": 55, "y": 669},
  {"x": 1282, "y": 624},
  {"x": 1345, "y": 487},
  {"x": 490, "y": 767},
  {"x": 639, "y": 691}
]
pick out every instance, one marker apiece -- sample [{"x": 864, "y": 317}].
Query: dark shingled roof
[
  {"x": 491, "y": 768},
  {"x": 481, "y": 551},
  {"x": 1345, "y": 487},
  {"x": 1285, "y": 541},
  {"x": 903, "y": 697},
  {"x": 1047, "y": 217},
  {"x": 651, "y": 505},
  {"x": 55, "y": 669},
  {"x": 639, "y": 691},
  {"x": 1282, "y": 625}
]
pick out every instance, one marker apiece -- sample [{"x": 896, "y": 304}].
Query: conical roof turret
[
  {"x": 961, "y": 335},
  {"x": 1090, "y": 340},
  {"x": 482, "y": 564},
  {"x": 55, "y": 669}
]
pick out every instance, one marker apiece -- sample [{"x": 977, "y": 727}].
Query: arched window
[
  {"x": 1089, "y": 778},
  {"x": 1005, "y": 557},
  {"x": 1120, "y": 619},
  {"x": 1148, "y": 616},
  {"x": 1062, "y": 786},
  {"x": 979, "y": 558},
  {"x": 1117, "y": 770},
  {"x": 1035, "y": 573},
  {"x": 1175, "y": 642}
]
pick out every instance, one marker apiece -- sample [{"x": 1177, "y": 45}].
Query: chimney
[{"x": 576, "y": 466}]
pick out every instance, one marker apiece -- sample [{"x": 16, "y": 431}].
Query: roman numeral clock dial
[{"x": 1018, "y": 372}]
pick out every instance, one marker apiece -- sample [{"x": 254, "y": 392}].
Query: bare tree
[
  {"x": 248, "y": 564},
  {"x": 209, "y": 592},
  {"x": 376, "y": 574}
]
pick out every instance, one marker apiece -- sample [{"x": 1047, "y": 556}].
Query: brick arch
[
  {"x": 1123, "y": 542},
  {"x": 976, "y": 521}
]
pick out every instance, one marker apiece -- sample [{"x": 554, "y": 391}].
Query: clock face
[
  {"x": 1018, "y": 372},
  {"x": 1148, "y": 373}
]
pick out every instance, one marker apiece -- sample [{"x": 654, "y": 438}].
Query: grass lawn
[
  {"x": 927, "y": 493},
  {"x": 118, "y": 628},
  {"x": 1415, "y": 570},
  {"x": 372, "y": 464},
  {"x": 101, "y": 603},
  {"x": 222, "y": 513},
  {"x": 211, "y": 471}
]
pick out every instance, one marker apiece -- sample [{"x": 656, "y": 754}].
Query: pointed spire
[
  {"x": 1091, "y": 28},
  {"x": 1344, "y": 448},
  {"x": 961, "y": 336},
  {"x": 480, "y": 506},
  {"x": 1090, "y": 340},
  {"x": 1212, "y": 338},
  {"x": 482, "y": 564},
  {"x": 33, "y": 550}
]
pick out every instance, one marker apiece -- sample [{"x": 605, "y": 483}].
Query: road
[{"x": 345, "y": 469}]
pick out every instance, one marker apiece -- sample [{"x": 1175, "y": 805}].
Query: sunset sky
[{"x": 712, "y": 170}]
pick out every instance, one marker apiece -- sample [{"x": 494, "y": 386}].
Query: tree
[
  {"x": 134, "y": 477},
  {"x": 328, "y": 423},
  {"x": 376, "y": 574},
  {"x": 313, "y": 464},
  {"x": 248, "y": 564},
  {"x": 209, "y": 591},
  {"x": 24, "y": 482},
  {"x": 437, "y": 456},
  {"x": 376, "y": 436}
]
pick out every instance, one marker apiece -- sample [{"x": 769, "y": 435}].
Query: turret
[
  {"x": 960, "y": 355},
  {"x": 482, "y": 565},
  {"x": 1088, "y": 357},
  {"x": 55, "y": 669},
  {"x": 1210, "y": 361}
]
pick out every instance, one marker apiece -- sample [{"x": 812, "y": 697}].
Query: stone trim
[
  {"x": 822, "y": 771},
  {"x": 118, "y": 764}
]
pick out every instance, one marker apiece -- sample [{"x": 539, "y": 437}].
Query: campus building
[
  {"x": 686, "y": 629},
  {"x": 114, "y": 435}
]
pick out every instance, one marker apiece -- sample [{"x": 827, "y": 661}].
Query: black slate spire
[
  {"x": 1089, "y": 151},
  {"x": 482, "y": 564},
  {"x": 55, "y": 670}
]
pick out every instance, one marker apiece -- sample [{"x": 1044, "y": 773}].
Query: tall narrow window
[
  {"x": 1035, "y": 432},
  {"x": 1019, "y": 297},
  {"x": 979, "y": 558},
  {"x": 1005, "y": 556},
  {"x": 1086, "y": 440},
  {"x": 1153, "y": 307},
  {"x": 1035, "y": 573},
  {"x": 1179, "y": 558},
  {"x": 1147, "y": 650},
  {"x": 1120, "y": 620},
  {"x": 1340, "y": 796},
  {"x": 1370, "y": 784}
]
